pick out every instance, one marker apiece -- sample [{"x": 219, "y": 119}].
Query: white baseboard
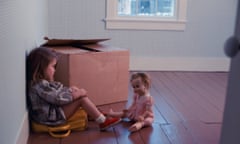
[
  {"x": 23, "y": 133},
  {"x": 179, "y": 64}
]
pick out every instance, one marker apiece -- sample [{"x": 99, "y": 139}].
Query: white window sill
[{"x": 147, "y": 24}]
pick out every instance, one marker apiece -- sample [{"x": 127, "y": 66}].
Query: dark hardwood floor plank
[
  {"x": 98, "y": 137},
  {"x": 190, "y": 99},
  {"x": 204, "y": 133},
  {"x": 205, "y": 88},
  {"x": 219, "y": 87},
  {"x": 76, "y": 137},
  {"x": 172, "y": 99},
  {"x": 188, "y": 109},
  {"x": 201, "y": 94},
  {"x": 154, "y": 135},
  {"x": 42, "y": 138},
  {"x": 210, "y": 84},
  {"x": 220, "y": 78},
  {"x": 123, "y": 136},
  {"x": 178, "y": 134},
  {"x": 158, "y": 116},
  {"x": 164, "y": 113}
]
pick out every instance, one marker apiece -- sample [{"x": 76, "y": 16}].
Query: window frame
[{"x": 113, "y": 21}]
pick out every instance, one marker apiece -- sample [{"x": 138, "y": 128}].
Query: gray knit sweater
[{"x": 46, "y": 101}]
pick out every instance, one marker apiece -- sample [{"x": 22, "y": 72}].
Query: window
[{"x": 146, "y": 14}]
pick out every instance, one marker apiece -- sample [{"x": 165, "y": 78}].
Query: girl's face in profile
[
  {"x": 50, "y": 70},
  {"x": 138, "y": 86}
]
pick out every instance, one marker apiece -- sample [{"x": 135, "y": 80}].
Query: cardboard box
[{"x": 102, "y": 70}]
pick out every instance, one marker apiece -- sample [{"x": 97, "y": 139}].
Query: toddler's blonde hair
[{"x": 145, "y": 78}]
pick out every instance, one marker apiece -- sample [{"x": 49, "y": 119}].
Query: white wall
[
  {"x": 198, "y": 48},
  {"x": 22, "y": 26}
]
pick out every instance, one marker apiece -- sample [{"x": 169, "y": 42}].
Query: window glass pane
[{"x": 162, "y": 8}]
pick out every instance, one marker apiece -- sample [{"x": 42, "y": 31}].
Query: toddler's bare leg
[{"x": 140, "y": 124}]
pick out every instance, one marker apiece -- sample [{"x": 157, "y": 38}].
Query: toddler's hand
[{"x": 140, "y": 118}]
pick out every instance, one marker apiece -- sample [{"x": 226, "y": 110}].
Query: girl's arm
[
  {"x": 54, "y": 93},
  {"x": 77, "y": 93}
]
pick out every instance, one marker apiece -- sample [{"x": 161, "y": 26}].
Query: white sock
[{"x": 101, "y": 119}]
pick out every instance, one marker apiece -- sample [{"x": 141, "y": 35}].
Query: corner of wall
[{"x": 23, "y": 132}]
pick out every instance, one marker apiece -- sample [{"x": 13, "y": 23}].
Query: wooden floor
[{"x": 188, "y": 110}]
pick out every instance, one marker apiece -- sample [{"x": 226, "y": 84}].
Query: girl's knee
[{"x": 82, "y": 98}]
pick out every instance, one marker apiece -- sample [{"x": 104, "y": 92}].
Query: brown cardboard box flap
[{"x": 71, "y": 42}]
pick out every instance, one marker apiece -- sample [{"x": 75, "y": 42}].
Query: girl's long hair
[{"x": 37, "y": 61}]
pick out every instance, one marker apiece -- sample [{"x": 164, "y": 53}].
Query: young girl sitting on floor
[
  {"x": 140, "y": 111},
  {"x": 51, "y": 103}
]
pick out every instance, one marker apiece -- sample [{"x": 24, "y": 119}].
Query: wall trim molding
[
  {"x": 23, "y": 133},
  {"x": 179, "y": 64}
]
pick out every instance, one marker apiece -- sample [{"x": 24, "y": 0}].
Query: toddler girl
[
  {"x": 50, "y": 102},
  {"x": 140, "y": 111}
]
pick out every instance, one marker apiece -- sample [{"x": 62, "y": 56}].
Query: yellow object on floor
[{"x": 77, "y": 121}]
